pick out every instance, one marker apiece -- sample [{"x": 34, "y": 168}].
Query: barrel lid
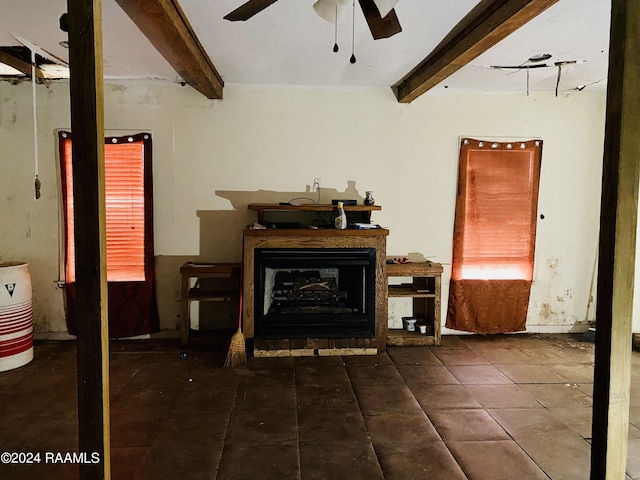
[{"x": 12, "y": 264}]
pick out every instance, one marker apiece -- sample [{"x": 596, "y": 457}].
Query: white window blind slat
[{"x": 125, "y": 215}]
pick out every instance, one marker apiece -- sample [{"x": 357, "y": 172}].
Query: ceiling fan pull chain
[
  {"x": 335, "y": 22},
  {"x": 37, "y": 184},
  {"x": 353, "y": 33}
]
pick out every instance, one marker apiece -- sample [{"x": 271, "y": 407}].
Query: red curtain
[
  {"x": 129, "y": 232},
  {"x": 494, "y": 235}
]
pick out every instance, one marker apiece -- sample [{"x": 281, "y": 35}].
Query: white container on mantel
[{"x": 16, "y": 315}]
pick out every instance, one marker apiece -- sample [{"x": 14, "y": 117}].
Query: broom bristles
[{"x": 237, "y": 355}]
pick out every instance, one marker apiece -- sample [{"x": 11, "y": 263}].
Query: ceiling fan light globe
[{"x": 326, "y": 9}]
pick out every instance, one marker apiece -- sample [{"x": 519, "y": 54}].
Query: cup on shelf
[{"x": 410, "y": 323}]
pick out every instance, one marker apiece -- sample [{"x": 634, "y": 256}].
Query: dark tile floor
[{"x": 495, "y": 407}]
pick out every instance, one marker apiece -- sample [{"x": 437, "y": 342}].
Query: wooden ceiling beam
[
  {"x": 19, "y": 64},
  {"x": 165, "y": 25},
  {"x": 484, "y": 26}
]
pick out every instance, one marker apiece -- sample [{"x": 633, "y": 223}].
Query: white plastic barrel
[{"x": 16, "y": 316}]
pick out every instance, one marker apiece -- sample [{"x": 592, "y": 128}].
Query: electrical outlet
[
  {"x": 316, "y": 184},
  {"x": 567, "y": 292}
]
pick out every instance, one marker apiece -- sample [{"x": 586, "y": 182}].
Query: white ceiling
[{"x": 288, "y": 44}]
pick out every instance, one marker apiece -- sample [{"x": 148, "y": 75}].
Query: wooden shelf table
[
  {"x": 425, "y": 292},
  {"x": 189, "y": 294}
]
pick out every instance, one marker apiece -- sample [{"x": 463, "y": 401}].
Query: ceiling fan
[{"x": 380, "y": 14}]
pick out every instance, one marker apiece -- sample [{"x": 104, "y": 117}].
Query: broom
[{"x": 237, "y": 355}]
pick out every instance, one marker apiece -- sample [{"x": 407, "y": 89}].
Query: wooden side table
[
  {"x": 424, "y": 289},
  {"x": 191, "y": 293}
]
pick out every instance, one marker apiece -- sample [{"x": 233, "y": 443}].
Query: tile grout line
[
  {"x": 353, "y": 391},
  {"x": 226, "y": 430},
  {"x": 517, "y": 384},
  {"x": 164, "y": 415},
  {"x": 518, "y": 443},
  {"x": 295, "y": 396},
  {"x": 426, "y": 414},
  {"x": 495, "y": 419}
]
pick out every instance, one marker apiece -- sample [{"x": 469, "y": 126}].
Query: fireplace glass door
[{"x": 315, "y": 293}]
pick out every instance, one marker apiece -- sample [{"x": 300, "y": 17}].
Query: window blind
[
  {"x": 496, "y": 233},
  {"x": 494, "y": 236},
  {"x": 124, "y": 210}
]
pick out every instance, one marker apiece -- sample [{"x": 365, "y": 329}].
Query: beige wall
[{"x": 258, "y": 144}]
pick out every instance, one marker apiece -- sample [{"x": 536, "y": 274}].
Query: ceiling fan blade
[
  {"x": 39, "y": 50},
  {"x": 385, "y": 6},
  {"x": 54, "y": 58},
  {"x": 380, "y": 27},
  {"x": 248, "y": 10}
]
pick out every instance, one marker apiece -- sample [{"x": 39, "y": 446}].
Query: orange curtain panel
[
  {"x": 129, "y": 234},
  {"x": 494, "y": 235}
]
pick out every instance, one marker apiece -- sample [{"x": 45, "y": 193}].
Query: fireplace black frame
[{"x": 357, "y": 267}]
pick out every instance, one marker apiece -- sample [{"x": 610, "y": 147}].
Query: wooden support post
[
  {"x": 87, "y": 124},
  {"x": 618, "y": 219}
]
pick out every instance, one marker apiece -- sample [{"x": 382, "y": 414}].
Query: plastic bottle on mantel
[{"x": 341, "y": 219}]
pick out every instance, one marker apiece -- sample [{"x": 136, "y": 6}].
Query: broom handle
[
  {"x": 241, "y": 286},
  {"x": 240, "y": 306}
]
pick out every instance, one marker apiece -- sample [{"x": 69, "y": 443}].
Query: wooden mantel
[
  {"x": 316, "y": 238},
  {"x": 311, "y": 233},
  {"x": 261, "y": 208}
]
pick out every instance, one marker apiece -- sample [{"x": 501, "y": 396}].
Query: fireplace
[
  {"x": 314, "y": 293},
  {"x": 351, "y": 260}
]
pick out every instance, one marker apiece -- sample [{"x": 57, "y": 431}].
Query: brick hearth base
[{"x": 308, "y": 347}]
